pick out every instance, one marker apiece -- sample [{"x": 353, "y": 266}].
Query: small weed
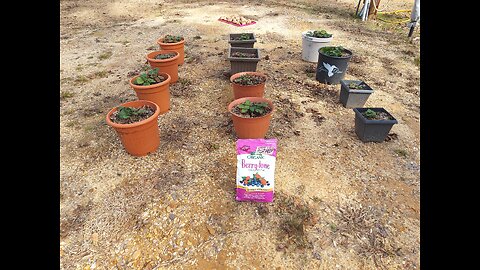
[
  {"x": 81, "y": 79},
  {"x": 184, "y": 82},
  {"x": 100, "y": 74},
  {"x": 417, "y": 61},
  {"x": 65, "y": 95},
  {"x": 72, "y": 123},
  {"x": 401, "y": 152},
  {"x": 79, "y": 68},
  {"x": 105, "y": 55},
  {"x": 333, "y": 227},
  {"x": 212, "y": 146}
]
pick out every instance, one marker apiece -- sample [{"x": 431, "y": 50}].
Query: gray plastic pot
[
  {"x": 239, "y": 64},
  {"x": 242, "y": 43},
  {"x": 354, "y": 98},
  {"x": 372, "y": 130},
  {"x": 331, "y": 69}
]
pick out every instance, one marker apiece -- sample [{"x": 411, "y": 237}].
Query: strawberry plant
[
  {"x": 355, "y": 85},
  {"x": 318, "y": 34},
  {"x": 243, "y": 55},
  {"x": 337, "y": 51},
  {"x": 249, "y": 79},
  {"x": 252, "y": 109},
  {"x": 149, "y": 77},
  {"x": 172, "y": 39},
  {"x": 243, "y": 36},
  {"x": 127, "y": 115},
  {"x": 165, "y": 55},
  {"x": 372, "y": 115}
]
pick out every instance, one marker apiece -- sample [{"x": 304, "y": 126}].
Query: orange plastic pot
[
  {"x": 169, "y": 66},
  {"x": 177, "y": 46},
  {"x": 158, "y": 93},
  {"x": 139, "y": 138},
  {"x": 251, "y": 128},
  {"x": 240, "y": 91}
]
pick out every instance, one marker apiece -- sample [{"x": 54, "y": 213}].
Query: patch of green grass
[
  {"x": 65, "y": 95},
  {"x": 401, "y": 152},
  {"x": 105, "y": 55}
]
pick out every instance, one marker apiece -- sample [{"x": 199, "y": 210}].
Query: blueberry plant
[
  {"x": 149, "y": 77},
  {"x": 318, "y": 34}
]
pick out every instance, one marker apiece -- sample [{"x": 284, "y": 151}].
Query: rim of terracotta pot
[
  {"x": 136, "y": 124},
  {"x": 236, "y": 75},
  {"x": 150, "y": 56},
  {"x": 253, "y": 99},
  {"x": 159, "y": 41},
  {"x": 145, "y": 87}
]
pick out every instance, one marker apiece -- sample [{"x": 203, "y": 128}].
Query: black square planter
[
  {"x": 239, "y": 64},
  {"x": 372, "y": 130},
  {"x": 354, "y": 98},
  {"x": 248, "y": 43}
]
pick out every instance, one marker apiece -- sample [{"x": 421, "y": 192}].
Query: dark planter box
[
  {"x": 354, "y": 98},
  {"x": 242, "y": 43},
  {"x": 331, "y": 69},
  {"x": 239, "y": 64},
  {"x": 372, "y": 130}
]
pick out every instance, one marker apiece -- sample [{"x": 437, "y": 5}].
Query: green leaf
[
  {"x": 139, "y": 80},
  {"x": 252, "y": 109},
  {"x": 244, "y": 110},
  {"x": 247, "y": 102}
]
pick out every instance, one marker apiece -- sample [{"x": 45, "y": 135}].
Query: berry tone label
[{"x": 255, "y": 169}]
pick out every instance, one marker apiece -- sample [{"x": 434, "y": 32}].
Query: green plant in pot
[
  {"x": 332, "y": 64},
  {"x": 373, "y": 124},
  {"x": 354, "y": 93},
  {"x": 154, "y": 86}
]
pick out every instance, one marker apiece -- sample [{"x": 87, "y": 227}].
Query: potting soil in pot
[{"x": 255, "y": 169}]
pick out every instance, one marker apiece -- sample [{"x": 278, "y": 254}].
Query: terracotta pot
[
  {"x": 139, "y": 138},
  {"x": 169, "y": 66},
  {"x": 240, "y": 91},
  {"x": 251, "y": 128},
  {"x": 177, "y": 46},
  {"x": 158, "y": 93}
]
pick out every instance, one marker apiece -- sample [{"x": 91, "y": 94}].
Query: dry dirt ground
[{"x": 339, "y": 203}]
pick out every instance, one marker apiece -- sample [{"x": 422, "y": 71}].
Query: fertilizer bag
[{"x": 255, "y": 169}]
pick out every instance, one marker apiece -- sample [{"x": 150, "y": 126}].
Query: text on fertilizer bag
[{"x": 255, "y": 166}]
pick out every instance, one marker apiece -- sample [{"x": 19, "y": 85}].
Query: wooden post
[{"x": 372, "y": 10}]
